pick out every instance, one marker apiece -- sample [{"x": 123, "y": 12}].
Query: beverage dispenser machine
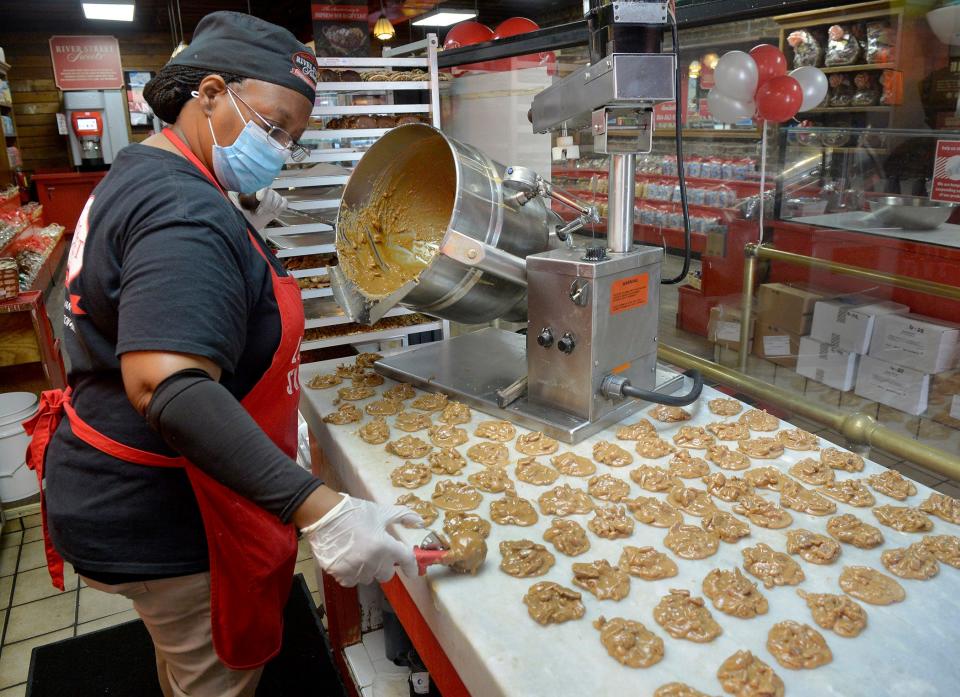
[{"x": 96, "y": 126}]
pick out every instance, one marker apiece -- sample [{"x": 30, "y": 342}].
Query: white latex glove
[
  {"x": 271, "y": 206},
  {"x": 351, "y": 542}
]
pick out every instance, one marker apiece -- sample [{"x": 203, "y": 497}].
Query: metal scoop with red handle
[{"x": 429, "y": 552}]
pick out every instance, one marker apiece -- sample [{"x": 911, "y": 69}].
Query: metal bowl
[{"x": 910, "y": 212}]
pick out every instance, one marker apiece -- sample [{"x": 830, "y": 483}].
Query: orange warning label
[{"x": 629, "y": 293}]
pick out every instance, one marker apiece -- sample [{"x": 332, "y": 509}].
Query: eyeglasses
[{"x": 276, "y": 136}]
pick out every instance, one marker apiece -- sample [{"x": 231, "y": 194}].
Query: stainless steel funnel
[{"x": 481, "y": 210}]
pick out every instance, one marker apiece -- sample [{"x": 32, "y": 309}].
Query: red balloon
[
  {"x": 514, "y": 26},
  {"x": 467, "y": 33},
  {"x": 779, "y": 99},
  {"x": 770, "y": 61}
]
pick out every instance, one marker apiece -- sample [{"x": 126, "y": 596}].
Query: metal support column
[
  {"x": 621, "y": 195},
  {"x": 746, "y": 305}
]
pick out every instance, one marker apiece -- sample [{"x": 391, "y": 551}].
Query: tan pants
[{"x": 176, "y": 612}]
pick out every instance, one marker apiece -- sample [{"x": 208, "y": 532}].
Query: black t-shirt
[{"x": 161, "y": 261}]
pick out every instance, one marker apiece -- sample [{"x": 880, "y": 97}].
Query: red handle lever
[{"x": 427, "y": 557}]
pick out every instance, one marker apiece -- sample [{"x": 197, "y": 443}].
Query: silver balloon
[
  {"x": 727, "y": 109},
  {"x": 737, "y": 75},
  {"x": 814, "y": 85}
]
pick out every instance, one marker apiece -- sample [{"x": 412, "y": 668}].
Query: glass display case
[{"x": 840, "y": 226}]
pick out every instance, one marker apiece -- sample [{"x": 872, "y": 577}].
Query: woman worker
[{"x": 171, "y": 481}]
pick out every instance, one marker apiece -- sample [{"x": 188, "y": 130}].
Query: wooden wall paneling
[{"x": 36, "y": 98}]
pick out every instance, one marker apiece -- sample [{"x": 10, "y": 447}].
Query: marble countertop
[{"x": 907, "y": 649}]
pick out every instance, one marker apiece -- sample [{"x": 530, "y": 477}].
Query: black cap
[{"x": 245, "y": 45}]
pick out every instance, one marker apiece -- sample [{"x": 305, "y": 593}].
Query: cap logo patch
[{"x": 305, "y": 68}]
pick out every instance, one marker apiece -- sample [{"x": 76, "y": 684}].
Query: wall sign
[
  {"x": 86, "y": 62},
  {"x": 946, "y": 172},
  {"x": 340, "y": 28}
]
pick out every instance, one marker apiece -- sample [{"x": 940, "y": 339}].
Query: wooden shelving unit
[
  {"x": 9, "y": 139},
  {"x": 846, "y": 15}
]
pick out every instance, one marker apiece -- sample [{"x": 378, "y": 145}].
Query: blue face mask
[{"x": 251, "y": 163}]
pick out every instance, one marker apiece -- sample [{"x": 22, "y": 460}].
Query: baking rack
[{"x": 314, "y": 199}]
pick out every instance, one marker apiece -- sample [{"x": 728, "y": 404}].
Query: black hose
[
  {"x": 681, "y": 175},
  {"x": 669, "y": 399}
]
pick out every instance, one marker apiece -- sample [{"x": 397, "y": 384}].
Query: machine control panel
[
  {"x": 545, "y": 337},
  {"x": 566, "y": 343}
]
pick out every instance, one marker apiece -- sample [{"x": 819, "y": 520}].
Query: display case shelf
[
  {"x": 295, "y": 182},
  {"x": 343, "y": 134},
  {"x": 333, "y": 155},
  {"x": 303, "y": 229},
  {"x": 369, "y": 336},
  {"x": 307, "y": 273},
  {"x": 848, "y": 110},
  {"x": 371, "y": 109},
  {"x": 314, "y": 205},
  {"x": 372, "y": 86},
  {"x": 308, "y": 293},
  {"x": 327, "y": 313},
  {"x": 858, "y": 68}
]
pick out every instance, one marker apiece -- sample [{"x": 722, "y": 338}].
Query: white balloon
[
  {"x": 814, "y": 85},
  {"x": 736, "y": 75},
  {"x": 727, "y": 109}
]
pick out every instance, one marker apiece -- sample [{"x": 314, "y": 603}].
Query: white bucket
[{"x": 17, "y": 481}]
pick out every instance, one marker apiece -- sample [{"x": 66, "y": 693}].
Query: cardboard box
[
  {"x": 775, "y": 344},
  {"x": 847, "y": 323},
  {"x": 917, "y": 342},
  {"x": 787, "y": 307},
  {"x": 822, "y": 362},
  {"x": 724, "y": 326},
  {"x": 904, "y": 389}
]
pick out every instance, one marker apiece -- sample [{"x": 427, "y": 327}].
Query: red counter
[
  {"x": 929, "y": 262},
  {"x": 63, "y": 195}
]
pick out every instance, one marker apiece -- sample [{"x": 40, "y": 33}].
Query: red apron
[{"x": 252, "y": 555}]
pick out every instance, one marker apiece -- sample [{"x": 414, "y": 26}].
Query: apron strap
[
  {"x": 188, "y": 153},
  {"x": 41, "y": 427},
  {"x": 89, "y": 435}
]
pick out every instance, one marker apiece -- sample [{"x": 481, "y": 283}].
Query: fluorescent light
[
  {"x": 110, "y": 11},
  {"x": 444, "y": 18}
]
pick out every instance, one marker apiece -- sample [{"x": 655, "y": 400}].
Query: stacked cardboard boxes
[
  {"x": 784, "y": 315},
  {"x": 840, "y": 333},
  {"x": 905, "y": 352}
]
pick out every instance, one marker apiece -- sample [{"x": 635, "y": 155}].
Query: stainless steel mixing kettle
[{"x": 415, "y": 164}]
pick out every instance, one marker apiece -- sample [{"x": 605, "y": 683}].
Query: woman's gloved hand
[
  {"x": 262, "y": 208},
  {"x": 351, "y": 542}
]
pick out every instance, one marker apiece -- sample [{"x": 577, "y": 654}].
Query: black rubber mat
[{"x": 119, "y": 661}]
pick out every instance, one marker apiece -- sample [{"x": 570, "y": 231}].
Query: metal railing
[{"x": 860, "y": 429}]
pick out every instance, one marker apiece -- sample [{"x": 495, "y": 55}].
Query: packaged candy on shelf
[
  {"x": 866, "y": 90},
  {"x": 841, "y": 90},
  {"x": 807, "y": 50},
  {"x": 891, "y": 82},
  {"x": 881, "y": 43},
  {"x": 843, "y": 48}
]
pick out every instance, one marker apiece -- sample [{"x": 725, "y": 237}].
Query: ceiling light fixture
[
  {"x": 115, "y": 12},
  {"x": 444, "y": 17},
  {"x": 383, "y": 29}
]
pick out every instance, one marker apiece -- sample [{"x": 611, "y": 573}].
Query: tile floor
[{"x": 34, "y": 613}]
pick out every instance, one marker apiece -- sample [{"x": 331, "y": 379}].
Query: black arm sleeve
[{"x": 201, "y": 420}]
